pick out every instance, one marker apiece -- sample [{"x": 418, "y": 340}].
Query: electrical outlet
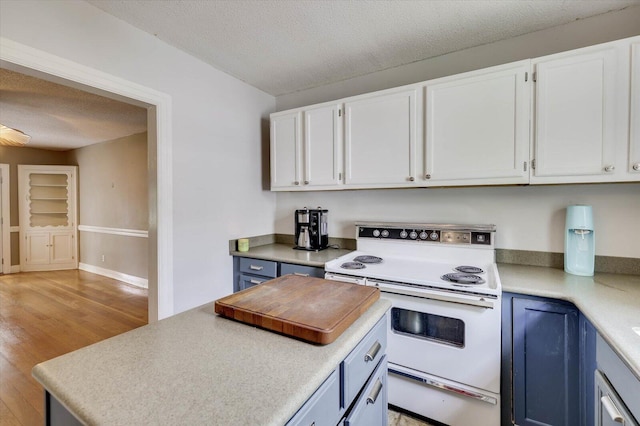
[{"x": 102, "y": 258}]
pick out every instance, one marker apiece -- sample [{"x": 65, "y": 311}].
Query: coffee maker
[
  {"x": 579, "y": 241},
  {"x": 312, "y": 231}
]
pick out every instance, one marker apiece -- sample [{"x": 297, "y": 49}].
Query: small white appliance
[
  {"x": 579, "y": 241},
  {"x": 444, "y": 329}
]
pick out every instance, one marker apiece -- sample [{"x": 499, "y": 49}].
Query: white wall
[
  {"x": 527, "y": 217},
  {"x": 218, "y": 132}
]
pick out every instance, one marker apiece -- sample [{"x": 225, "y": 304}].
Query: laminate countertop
[
  {"x": 197, "y": 368},
  {"x": 611, "y": 302},
  {"x": 286, "y": 253}
]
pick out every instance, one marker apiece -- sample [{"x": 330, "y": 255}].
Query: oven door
[{"x": 456, "y": 341}]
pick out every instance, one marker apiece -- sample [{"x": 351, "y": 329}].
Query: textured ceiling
[
  {"x": 282, "y": 46},
  {"x": 60, "y": 117}
]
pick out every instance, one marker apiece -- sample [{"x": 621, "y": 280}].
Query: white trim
[
  {"x": 14, "y": 269},
  {"x": 114, "y": 231},
  {"x": 5, "y": 229},
  {"x": 25, "y": 56},
  {"x": 129, "y": 279},
  {"x": 14, "y": 228}
]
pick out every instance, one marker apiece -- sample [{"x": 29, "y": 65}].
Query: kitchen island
[{"x": 197, "y": 368}]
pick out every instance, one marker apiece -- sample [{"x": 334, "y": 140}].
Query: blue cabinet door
[{"x": 545, "y": 363}]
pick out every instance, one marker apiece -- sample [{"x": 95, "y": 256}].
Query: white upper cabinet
[
  {"x": 381, "y": 134},
  {"x": 633, "y": 166},
  {"x": 322, "y": 146},
  {"x": 286, "y": 150},
  {"x": 581, "y": 115},
  {"x": 306, "y": 148},
  {"x": 477, "y": 127}
]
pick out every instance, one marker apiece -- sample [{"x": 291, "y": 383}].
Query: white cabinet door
[
  {"x": 477, "y": 127},
  {"x": 579, "y": 97},
  {"x": 286, "y": 155},
  {"x": 634, "y": 149},
  {"x": 322, "y": 146},
  {"x": 36, "y": 249},
  {"x": 380, "y": 139},
  {"x": 62, "y": 247}
]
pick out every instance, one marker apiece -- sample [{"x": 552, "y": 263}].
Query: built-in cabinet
[
  {"x": 548, "y": 363},
  {"x": 249, "y": 272},
  {"x": 571, "y": 117},
  {"x": 477, "y": 127},
  {"x": 48, "y": 217}
]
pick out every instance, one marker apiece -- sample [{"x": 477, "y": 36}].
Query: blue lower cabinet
[
  {"x": 545, "y": 362},
  {"x": 248, "y": 272}
]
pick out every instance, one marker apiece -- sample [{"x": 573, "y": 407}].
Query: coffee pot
[{"x": 579, "y": 241}]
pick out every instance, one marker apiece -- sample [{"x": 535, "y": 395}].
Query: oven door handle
[
  {"x": 435, "y": 295},
  {"x": 447, "y": 387}
]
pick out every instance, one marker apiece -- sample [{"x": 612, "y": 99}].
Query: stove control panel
[{"x": 426, "y": 235}]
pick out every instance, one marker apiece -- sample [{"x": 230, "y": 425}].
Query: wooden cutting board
[{"x": 311, "y": 309}]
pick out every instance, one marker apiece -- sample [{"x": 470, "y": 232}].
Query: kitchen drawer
[
  {"x": 323, "y": 408},
  {"x": 619, "y": 375},
  {"x": 610, "y": 410},
  {"x": 306, "y": 271},
  {"x": 371, "y": 407},
  {"x": 265, "y": 268},
  {"x": 361, "y": 362},
  {"x": 248, "y": 281}
]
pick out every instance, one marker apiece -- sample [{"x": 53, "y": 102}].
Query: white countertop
[
  {"x": 611, "y": 302},
  {"x": 197, "y": 368}
]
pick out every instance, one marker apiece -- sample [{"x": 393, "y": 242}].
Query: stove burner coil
[
  {"x": 367, "y": 259},
  {"x": 465, "y": 279},
  {"x": 352, "y": 265},
  {"x": 469, "y": 269}
]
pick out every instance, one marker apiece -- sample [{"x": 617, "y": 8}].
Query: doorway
[{"x": 26, "y": 60}]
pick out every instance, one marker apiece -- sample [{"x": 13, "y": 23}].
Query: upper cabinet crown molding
[{"x": 571, "y": 117}]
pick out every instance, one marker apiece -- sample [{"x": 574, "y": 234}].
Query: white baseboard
[
  {"x": 15, "y": 269},
  {"x": 129, "y": 279}
]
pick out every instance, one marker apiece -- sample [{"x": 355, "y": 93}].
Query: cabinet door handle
[
  {"x": 256, "y": 268},
  {"x": 636, "y": 167},
  {"x": 609, "y": 168},
  {"x": 373, "y": 395},
  {"x": 373, "y": 352},
  {"x": 300, "y": 275},
  {"x": 255, "y": 282},
  {"x": 611, "y": 409}
]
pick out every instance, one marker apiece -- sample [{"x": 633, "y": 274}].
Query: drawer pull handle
[
  {"x": 611, "y": 409},
  {"x": 300, "y": 274},
  {"x": 255, "y": 282},
  {"x": 373, "y": 352},
  {"x": 256, "y": 268},
  {"x": 371, "y": 399}
]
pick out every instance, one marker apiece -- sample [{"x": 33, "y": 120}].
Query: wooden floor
[{"x": 46, "y": 314}]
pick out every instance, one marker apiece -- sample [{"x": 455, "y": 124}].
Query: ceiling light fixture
[{"x": 13, "y": 137}]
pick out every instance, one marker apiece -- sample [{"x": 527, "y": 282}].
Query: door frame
[
  {"x": 25, "y": 59},
  {"x": 5, "y": 226}
]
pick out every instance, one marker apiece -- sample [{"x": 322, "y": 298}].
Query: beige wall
[
  {"x": 112, "y": 193},
  {"x": 19, "y": 155}
]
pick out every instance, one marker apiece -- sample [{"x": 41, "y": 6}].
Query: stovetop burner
[
  {"x": 353, "y": 265},
  {"x": 368, "y": 259},
  {"x": 469, "y": 269},
  {"x": 462, "y": 278}
]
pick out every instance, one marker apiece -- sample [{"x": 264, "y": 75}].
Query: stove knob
[
  {"x": 403, "y": 234},
  {"x": 384, "y": 233},
  {"x": 423, "y": 235},
  {"x": 413, "y": 235},
  {"x": 434, "y": 236},
  {"x": 376, "y": 233}
]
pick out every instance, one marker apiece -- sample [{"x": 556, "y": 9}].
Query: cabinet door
[
  {"x": 286, "y": 150},
  {"x": 62, "y": 247},
  {"x": 609, "y": 409},
  {"x": 380, "y": 139},
  {"x": 545, "y": 363},
  {"x": 37, "y": 248},
  {"x": 634, "y": 149},
  {"x": 304, "y": 271},
  {"x": 477, "y": 127},
  {"x": 371, "y": 407},
  {"x": 322, "y": 146},
  {"x": 577, "y": 101}
]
